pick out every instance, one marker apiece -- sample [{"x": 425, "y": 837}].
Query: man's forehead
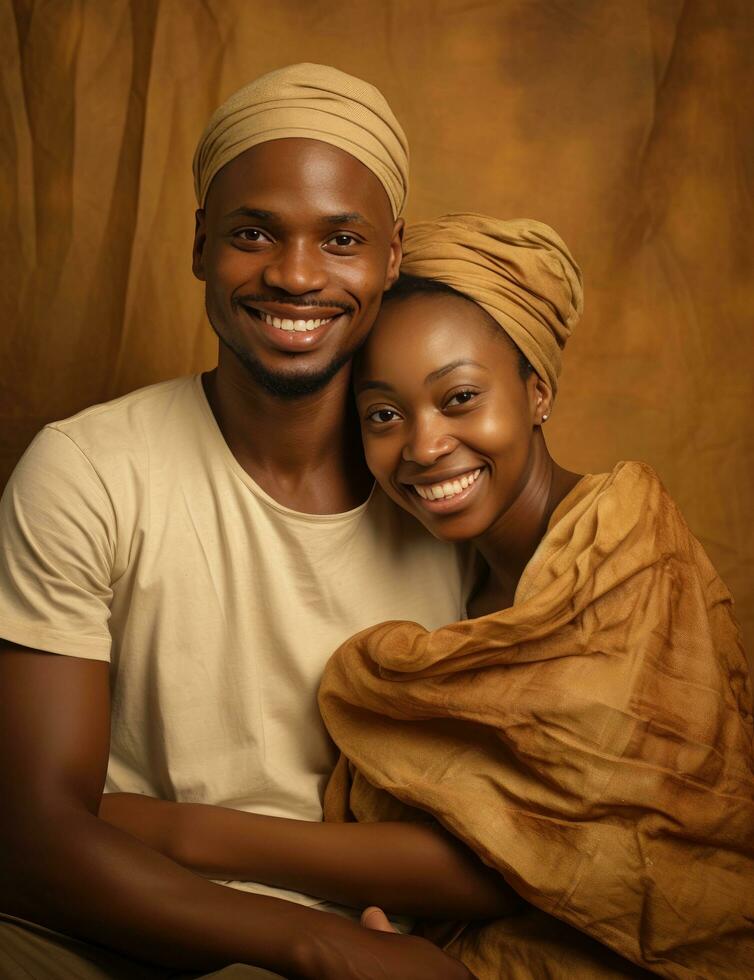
[{"x": 269, "y": 179}]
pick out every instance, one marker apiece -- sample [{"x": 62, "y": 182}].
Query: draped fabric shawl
[{"x": 593, "y": 743}]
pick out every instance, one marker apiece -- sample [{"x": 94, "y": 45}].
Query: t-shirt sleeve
[{"x": 57, "y": 544}]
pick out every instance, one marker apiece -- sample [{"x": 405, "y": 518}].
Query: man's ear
[
  {"x": 541, "y": 399},
  {"x": 396, "y": 254},
  {"x": 200, "y": 239}
]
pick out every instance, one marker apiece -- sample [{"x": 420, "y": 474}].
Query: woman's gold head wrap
[
  {"x": 314, "y": 102},
  {"x": 520, "y": 272}
]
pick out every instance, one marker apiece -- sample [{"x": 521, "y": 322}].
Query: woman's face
[{"x": 447, "y": 421}]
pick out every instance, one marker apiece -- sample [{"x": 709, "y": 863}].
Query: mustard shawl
[{"x": 593, "y": 743}]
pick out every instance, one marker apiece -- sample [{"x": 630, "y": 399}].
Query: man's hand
[{"x": 376, "y": 952}]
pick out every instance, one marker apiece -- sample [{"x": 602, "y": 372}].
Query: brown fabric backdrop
[{"x": 626, "y": 124}]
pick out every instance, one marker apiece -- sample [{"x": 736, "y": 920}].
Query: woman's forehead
[{"x": 425, "y": 331}]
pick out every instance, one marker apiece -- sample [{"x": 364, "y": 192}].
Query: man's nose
[
  {"x": 296, "y": 268},
  {"x": 429, "y": 441}
]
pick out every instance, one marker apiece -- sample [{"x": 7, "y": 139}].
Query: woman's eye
[
  {"x": 461, "y": 398},
  {"x": 382, "y": 415}
]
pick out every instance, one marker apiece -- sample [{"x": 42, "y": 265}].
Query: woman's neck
[{"x": 507, "y": 546}]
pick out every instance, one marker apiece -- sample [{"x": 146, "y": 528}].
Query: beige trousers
[{"x": 31, "y": 952}]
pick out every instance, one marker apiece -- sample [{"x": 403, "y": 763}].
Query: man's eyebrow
[
  {"x": 347, "y": 218},
  {"x": 244, "y": 212},
  {"x": 441, "y": 372},
  {"x": 259, "y": 214}
]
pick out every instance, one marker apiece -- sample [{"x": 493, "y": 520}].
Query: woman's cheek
[{"x": 378, "y": 458}]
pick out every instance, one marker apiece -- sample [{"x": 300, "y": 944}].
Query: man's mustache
[{"x": 301, "y": 301}]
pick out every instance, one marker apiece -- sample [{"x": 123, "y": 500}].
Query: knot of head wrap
[
  {"x": 520, "y": 272},
  {"x": 313, "y": 102}
]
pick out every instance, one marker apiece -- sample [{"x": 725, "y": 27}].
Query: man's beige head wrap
[
  {"x": 520, "y": 272},
  {"x": 315, "y": 102}
]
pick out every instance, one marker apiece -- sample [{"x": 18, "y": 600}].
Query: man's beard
[{"x": 283, "y": 385}]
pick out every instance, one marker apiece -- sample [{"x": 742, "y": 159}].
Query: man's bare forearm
[
  {"x": 63, "y": 866},
  {"x": 73, "y": 872},
  {"x": 407, "y": 868}
]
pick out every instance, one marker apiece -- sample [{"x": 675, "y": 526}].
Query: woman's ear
[
  {"x": 541, "y": 399},
  {"x": 396, "y": 254}
]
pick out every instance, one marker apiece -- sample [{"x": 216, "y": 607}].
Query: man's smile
[
  {"x": 293, "y": 328},
  {"x": 289, "y": 324}
]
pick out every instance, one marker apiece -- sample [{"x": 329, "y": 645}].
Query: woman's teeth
[
  {"x": 300, "y": 325},
  {"x": 440, "y": 491}
]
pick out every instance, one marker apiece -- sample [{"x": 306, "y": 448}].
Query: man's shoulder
[
  {"x": 132, "y": 423},
  {"x": 130, "y": 409}
]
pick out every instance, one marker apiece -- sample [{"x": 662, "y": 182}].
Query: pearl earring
[{"x": 545, "y": 418}]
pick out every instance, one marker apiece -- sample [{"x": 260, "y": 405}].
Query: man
[{"x": 179, "y": 564}]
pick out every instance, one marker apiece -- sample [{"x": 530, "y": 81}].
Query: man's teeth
[
  {"x": 440, "y": 491},
  {"x": 300, "y": 325}
]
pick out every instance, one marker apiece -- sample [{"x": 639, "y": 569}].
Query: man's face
[{"x": 296, "y": 244}]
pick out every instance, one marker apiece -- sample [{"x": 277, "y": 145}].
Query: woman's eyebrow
[
  {"x": 441, "y": 372},
  {"x": 370, "y": 385},
  {"x": 432, "y": 376}
]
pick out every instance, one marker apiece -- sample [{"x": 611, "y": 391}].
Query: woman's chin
[
  {"x": 453, "y": 528},
  {"x": 452, "y": 532}
]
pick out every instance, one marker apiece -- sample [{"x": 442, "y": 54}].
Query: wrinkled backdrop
[{"x": 626, "y": 124}]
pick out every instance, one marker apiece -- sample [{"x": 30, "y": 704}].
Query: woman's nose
[
  {"x": 428, "y": 443},
  {"x": 296, "y": 269}
]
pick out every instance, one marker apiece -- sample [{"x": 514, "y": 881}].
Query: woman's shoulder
[
  {"x": 628, "y": 485},
  {"x": 626, "y": 511}
]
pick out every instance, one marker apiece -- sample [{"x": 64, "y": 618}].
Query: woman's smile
[{"x": 449, "y": 494}]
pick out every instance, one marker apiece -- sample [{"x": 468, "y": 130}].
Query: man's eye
[
  {"x": 251, "y": 235},
  {"x": 343, "y": 241},
  {"x": 461, "y": 398},
  {"x": 382, "y": 415}
]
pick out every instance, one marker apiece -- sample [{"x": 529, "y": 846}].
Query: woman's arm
[{"x": 407, "y": 868}]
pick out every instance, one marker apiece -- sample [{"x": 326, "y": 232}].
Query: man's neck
[{"x": 304, "y": 452}]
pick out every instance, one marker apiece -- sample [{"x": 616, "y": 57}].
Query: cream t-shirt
[{"x": 130, "y": 533}]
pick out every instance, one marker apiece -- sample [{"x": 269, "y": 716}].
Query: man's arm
[
  {"x": 62, "y": 866},
  {"x": 407, "y": 868}
]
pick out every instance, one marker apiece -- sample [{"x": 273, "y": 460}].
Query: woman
[
  {"x": 586, "y": 733},
  {"x": 590, "y": 736}
]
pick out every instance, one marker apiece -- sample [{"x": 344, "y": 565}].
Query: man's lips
[
  {"x": 293, "y": 319},
  {"x": 301, "y": 332}
]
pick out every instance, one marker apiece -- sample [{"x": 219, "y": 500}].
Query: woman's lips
[{"x": 449, "y": 495}]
